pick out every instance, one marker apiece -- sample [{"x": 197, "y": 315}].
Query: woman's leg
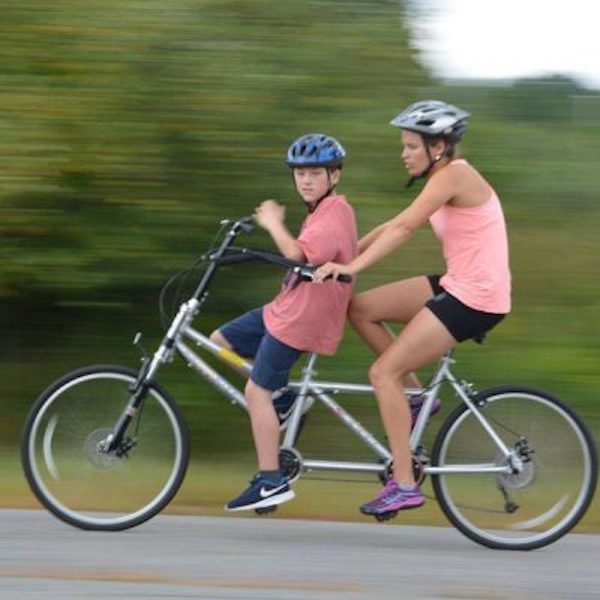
[
  {"x": 421, "y": 341},
  {"x": 396, "y": 302}
]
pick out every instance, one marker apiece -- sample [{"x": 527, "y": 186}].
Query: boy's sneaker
[
  {"x": 261, "y": 493},
  {"x": 284, "y": 401},
  {"x": 416, "y": 404},
  {"x": 392, "y": 499}
]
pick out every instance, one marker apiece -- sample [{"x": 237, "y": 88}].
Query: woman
[{"x": 438, "y": 312}]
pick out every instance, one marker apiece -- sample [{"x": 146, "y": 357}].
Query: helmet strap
[
  {"x": 312, "y": 206},
  {"x": 432, "y": 162}
]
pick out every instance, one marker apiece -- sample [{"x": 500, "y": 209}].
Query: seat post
[
  {"x": 292, "y": 430},
  {"x": 309, "y": 367}
]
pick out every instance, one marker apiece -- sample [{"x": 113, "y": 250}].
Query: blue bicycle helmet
[{"x": 315, "y": 150}]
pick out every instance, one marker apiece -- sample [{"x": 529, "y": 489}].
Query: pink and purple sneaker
[
  {"x": 416, "y": 404},
  {"x": 392, "y": 499}
]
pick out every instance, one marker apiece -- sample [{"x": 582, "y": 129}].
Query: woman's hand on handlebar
[{"x": 331, "y": 269}]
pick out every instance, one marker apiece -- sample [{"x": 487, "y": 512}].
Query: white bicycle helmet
[{"x": 433, "y": 118}]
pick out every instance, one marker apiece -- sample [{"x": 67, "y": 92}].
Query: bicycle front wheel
[
  {"x": 75, "y": 479},
  {"x": 528, "y": 508}
]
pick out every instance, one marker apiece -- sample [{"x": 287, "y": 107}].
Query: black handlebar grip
[
  {"x": 344, "y": 278},
  {"x": 306, "y": 272}
]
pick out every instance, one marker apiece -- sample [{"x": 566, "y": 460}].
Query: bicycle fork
[{"x": 116, "y": 441}]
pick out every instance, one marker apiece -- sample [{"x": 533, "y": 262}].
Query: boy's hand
[{"x": 269, "y": 214}]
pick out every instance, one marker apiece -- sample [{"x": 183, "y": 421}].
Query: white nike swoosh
[
  {"x": 266, "y": 493},
  {"x": 284, "y": 415}
]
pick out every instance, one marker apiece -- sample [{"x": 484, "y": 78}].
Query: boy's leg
[
  {"x": 243, "y": 335},
  {"x": 270, "y": 372},
  {"x": 217, "y": 337},
  {"x": 265, "y": 426}
]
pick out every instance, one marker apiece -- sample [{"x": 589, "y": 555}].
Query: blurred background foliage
[{"x": 130, "y": 127}]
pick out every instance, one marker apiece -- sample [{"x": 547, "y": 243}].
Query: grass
[{"x": 209, "y": 484}]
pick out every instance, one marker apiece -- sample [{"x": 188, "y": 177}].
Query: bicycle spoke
[
  {"x": 79, "y": 481},
  {"x": 543, "y": 497}
]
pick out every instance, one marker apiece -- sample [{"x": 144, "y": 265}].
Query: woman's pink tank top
[{"x": 475, "y": 248}]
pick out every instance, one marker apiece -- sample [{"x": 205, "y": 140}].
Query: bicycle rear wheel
[
  {"x": 91, "y": 489},
  {"x": 525, "y": 510}
]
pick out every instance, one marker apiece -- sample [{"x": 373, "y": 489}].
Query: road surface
[{"x": 252, "y": 558}]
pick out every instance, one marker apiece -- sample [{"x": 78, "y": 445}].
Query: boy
[{"x": 303, "y": 316}]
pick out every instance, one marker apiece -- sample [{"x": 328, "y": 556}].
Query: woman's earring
[{"x": 438, "y": 157}]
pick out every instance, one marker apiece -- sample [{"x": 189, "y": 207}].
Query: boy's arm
[
  {"x": 270, "y": 216},
  {"x": 286, "y": 243}
]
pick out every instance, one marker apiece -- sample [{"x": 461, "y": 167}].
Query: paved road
[{"x": 208, "y": 558}]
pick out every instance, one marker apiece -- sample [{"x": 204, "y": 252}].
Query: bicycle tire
[
  {"x": 89, "y": 489},
  {"x": 546, "y": 499}
]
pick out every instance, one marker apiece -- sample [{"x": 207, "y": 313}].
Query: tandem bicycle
[{"x": 106, "y": 447}]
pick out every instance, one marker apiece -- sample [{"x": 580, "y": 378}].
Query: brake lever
[{"x": 245, "y": 224}]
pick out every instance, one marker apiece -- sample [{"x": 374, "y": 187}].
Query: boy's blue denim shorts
[{"x": 273, "y": 359}]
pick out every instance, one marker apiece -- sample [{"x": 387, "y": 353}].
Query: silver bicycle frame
[{"x": 323, "y": 391}]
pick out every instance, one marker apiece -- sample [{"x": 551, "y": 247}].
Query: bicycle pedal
[
  {"x": 386, "y": 516},
  {"x": 265, "y": 510}
]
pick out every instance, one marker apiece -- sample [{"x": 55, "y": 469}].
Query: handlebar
[
  {"x": 234, "y": 255},
  {"x": 228, "y": 254},
  {"x": 245, "y": 224}
]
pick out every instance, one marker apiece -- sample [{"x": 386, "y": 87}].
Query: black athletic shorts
[{"x": 462, "y": 321}]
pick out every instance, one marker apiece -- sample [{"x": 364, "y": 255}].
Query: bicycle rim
[
  {"x": 524, "y": 510},
  {"x": 88, "y": 488}
]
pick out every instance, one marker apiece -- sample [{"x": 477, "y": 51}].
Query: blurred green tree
[{"x": 130, "y": 127}]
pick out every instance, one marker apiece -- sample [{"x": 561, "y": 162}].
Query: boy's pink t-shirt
[
  {"x": 475, "y": 246},
  {"x": 310, "y": 316}
]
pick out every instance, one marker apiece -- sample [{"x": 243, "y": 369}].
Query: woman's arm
[
  {"x": 438, "y": 190},
  {"x": 368, "y": 239},
  {"x": 391, "y": 237}
]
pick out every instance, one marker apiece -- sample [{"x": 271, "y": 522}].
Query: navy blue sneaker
[
  {"x": 262, "y": 493},
  {"x": 284, "y": 401}
]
